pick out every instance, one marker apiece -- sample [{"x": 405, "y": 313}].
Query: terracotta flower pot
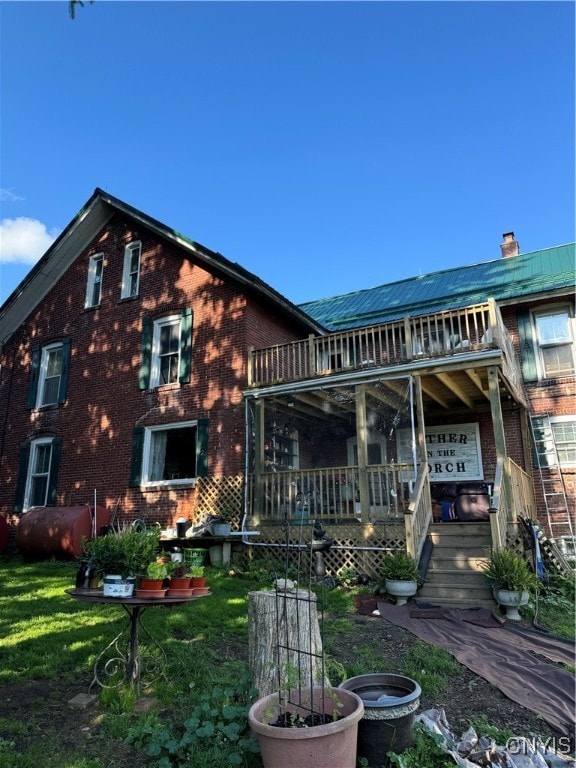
[
  {"x": 318, "y": 746},
  {"x": 154, "y": 584},
  {"x": 179, "y": 582},
  {"x": 198, "y": 582}
]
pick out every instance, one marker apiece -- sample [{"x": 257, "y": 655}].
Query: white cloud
[
  {"x": 24, "y": 240},
  {"x": 7, "y": 196}
]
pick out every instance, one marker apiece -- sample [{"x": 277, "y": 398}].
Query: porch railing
[
  {"x": 513, "y": 497},
  {"x": 439, "y": 334},
  {"x": 303, "y": 495},
  {"x": 418, "y": 515}
]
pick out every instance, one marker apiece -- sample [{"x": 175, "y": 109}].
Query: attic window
[
  {"x": 131, "y": 271},
  {"x": 94, "y": 283}
]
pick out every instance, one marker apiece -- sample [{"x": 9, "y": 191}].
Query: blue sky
[{"x": 325, "y": 146}]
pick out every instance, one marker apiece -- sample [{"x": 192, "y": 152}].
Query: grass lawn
[{"x": 49, "y": 643}]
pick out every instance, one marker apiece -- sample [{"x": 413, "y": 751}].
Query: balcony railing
[{"x": 439, "y": 334}]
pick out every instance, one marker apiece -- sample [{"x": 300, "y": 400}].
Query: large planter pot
[
  {"x": 319, "y": 746},
  {"x": 511, "y": 601},
  {"x": 401, "y": 590},
  {"x": 390, "y": 704}
]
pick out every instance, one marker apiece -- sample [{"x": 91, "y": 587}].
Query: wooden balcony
[{"x": 450, "y": 350}]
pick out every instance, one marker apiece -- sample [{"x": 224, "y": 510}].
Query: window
[
  {"x": 170, "y": 454},
  {"x": 554, "y": 343},
  {"x": 49, "y": 374},
  {"x": 37, "y": 478},
  {"x": 131, "y": 272},
  {"x": 564, "y": 431},
  {"x": 94, "y": 285},
  {"x": 166, "y": 350}
]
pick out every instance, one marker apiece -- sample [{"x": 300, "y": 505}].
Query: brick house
[
  {"x": 123, "y": 366},
  {"x": 145, "y": 368}
]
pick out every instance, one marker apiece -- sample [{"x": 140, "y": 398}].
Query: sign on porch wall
[{"x": 453, "y": 452}]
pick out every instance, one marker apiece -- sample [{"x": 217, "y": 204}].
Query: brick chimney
[{"x": 509, "y": 247}]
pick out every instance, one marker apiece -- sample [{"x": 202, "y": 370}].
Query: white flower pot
[
  {"x": 511, "y": 601},
  {"x": 401, "y": 590}
]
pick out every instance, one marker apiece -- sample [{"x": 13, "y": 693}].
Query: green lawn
[{"x": 49, "y": 643}]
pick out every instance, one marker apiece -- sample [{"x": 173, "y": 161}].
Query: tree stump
[{"x": 284, "y": 641}]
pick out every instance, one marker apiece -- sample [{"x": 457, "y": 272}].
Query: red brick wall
[{"x": 104, "y": 402}]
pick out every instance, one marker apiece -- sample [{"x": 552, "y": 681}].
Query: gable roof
[
  {"x": 94, "y": 215},
  {"x": 505, "y": 280}
]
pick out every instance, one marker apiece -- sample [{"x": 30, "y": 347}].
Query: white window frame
[
  {"x": 35, "y": 445},
  {"x": 566, "y": 341},
  {"x": 171, "y": 320},
  {"x": 555, "y": 421},
  {"x": 43, "y": 374},
  {"x": 130, "y": 277},
  {"x": 95, "y": 280},
  {"x": 148, "y": 457}
]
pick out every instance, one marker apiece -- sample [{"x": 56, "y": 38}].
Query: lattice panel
[
  {"x": 214, "y": 494},
  {"x": 345, "y": 553}
]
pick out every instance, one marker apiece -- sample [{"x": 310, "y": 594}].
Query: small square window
[
  {"x": 554, "y": 343},
  {"x": 170, "y": 454}
]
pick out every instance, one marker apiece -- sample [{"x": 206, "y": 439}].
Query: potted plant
[
  {"x": 154, "y": 576},
  {"x": 296, "y": 738},
  {"x": 401, "y": 576},
  {"x": 512, "y": 580},
  {"x": 179, "y": 577},
  {"x": 120, "y": 554},
  {"x": 197, "y": 578}
]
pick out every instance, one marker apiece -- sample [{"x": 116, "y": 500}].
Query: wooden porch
[{"x": 326, "y": 415}]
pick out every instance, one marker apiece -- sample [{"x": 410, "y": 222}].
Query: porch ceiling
[{"x": 460, "y": 388}]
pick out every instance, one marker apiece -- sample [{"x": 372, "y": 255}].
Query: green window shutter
[
  {"x": 146, "y": 359},
  {"x": 527, "y": 345},
  {"x": 137, "y": 453},
  {"x": 34, "y": 374},
  {"x": 65, "y": 369},
  {"x": 202, "y": 448},
  {"x": 54, "y": 468},
  {"x": 185, "y": 347},
  {"x": 23, "y": 460}
]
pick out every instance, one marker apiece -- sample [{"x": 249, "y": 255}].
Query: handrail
[
  {"x": 507, "y": 508},
  {"x": 499, "y": 508},
  {"x": 418, "y": 515}
]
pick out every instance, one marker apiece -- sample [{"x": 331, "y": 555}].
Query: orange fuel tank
[{"x": 58, "y": 531}]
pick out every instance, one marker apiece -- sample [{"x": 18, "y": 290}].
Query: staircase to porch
[{"x": 454, "y": 577}]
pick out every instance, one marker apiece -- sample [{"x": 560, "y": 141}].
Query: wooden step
[
  {"x": 454, "y": 577},
  {"x": 456, "y": 561},
  {"x": 454, "y": 602}
]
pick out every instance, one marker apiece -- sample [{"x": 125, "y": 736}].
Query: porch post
[
  {"x": 362, "y": 437},
  {"x": 258, "y": 496},
  {"x": 420, "y": 419},
  {"x": 499, "y": 436}
]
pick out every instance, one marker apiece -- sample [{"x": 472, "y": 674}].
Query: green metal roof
[{"x": 503, "y": 279}]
